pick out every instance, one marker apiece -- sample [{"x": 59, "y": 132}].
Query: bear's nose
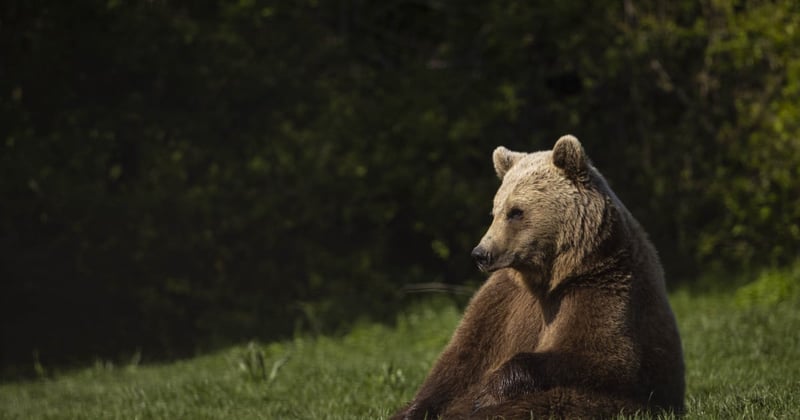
[{"x": 481, "y": 257}]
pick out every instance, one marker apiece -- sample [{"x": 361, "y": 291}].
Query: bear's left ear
[
  {"x": 504, "y": 159},
  {"x": 568, "y": 155}
]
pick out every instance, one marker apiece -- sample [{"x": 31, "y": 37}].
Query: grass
[{"x": 742, "y": 351}]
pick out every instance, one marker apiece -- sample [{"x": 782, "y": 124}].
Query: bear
[{"x": 573, "y": 321}]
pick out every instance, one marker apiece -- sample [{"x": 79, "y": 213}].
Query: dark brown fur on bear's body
[{"x": 591, "y": 341}]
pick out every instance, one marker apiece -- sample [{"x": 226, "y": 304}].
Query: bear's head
[{"x": 547, "y": 213}]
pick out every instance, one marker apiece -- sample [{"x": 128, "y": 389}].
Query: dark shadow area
[{"x": 177, "y": 176}]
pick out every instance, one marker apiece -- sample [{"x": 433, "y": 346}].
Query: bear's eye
[{"x": 514, "y": 214}]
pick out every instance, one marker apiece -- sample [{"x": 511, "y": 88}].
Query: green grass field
[{"x": 742, "y": 350}]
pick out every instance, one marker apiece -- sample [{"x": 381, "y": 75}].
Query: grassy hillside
[{"x": 742, "y": 352}]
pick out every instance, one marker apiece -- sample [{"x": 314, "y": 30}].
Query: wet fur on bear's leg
[{"x": 473, "y": 349}]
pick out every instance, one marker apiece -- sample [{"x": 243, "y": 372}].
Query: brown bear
[{"x": 574, "y": 322}]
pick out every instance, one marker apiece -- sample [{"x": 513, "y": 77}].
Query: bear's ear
[
  {"x": 568, "y": 155},
  {"x": 504, "y": 159}
]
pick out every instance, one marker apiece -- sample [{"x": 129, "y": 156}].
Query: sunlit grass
[{"x": 742, "y": 356}]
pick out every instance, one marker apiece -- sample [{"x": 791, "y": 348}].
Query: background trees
[{"x": 177, "y": 175}]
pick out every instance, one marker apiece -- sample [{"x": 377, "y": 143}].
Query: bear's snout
[{"x": 482, "y": 257}]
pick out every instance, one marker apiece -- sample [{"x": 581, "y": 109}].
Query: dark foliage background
[{"x": 179, "y": 175}]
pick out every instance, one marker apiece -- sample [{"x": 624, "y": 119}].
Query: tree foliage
[{"x": 176, "y": 175}]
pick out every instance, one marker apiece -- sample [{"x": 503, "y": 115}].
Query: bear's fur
[{"x": 574, "y": 322}]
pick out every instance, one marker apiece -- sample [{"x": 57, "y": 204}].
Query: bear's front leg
[{"x": 465, "y": 362}]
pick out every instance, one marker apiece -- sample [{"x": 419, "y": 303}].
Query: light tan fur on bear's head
[{"x": 548, "y": 214}]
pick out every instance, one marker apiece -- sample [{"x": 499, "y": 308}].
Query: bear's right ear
[
  {"x": 568, "y": 155},
  {"x": 504, "y": 159}
]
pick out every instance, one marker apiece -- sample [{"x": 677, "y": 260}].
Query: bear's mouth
[
  {"x": 492, "y": 266},
  {"x": 484, "y": 268}
]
